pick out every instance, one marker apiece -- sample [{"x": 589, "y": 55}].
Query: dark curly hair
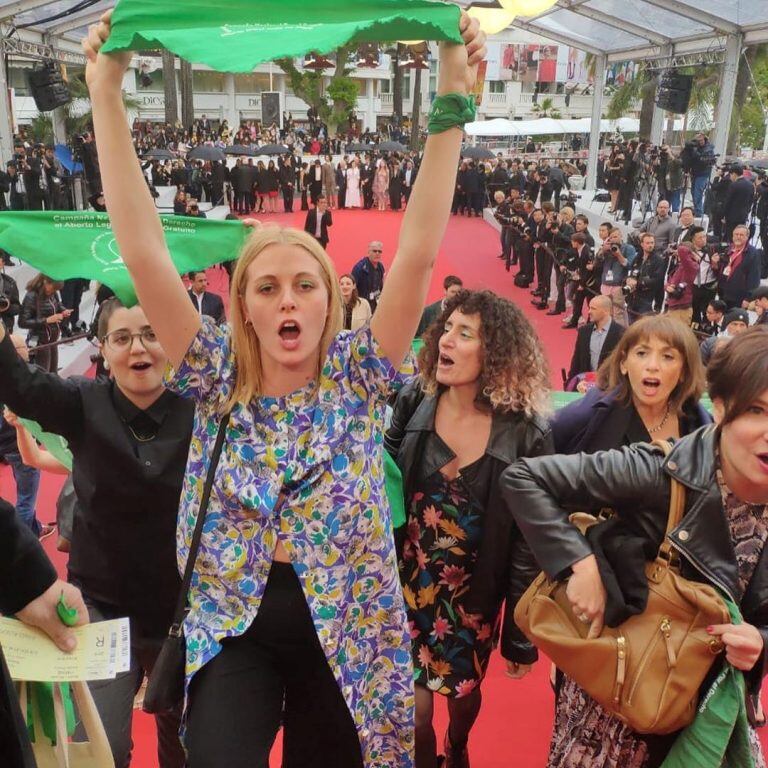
[{"x": 515, "y": 373}]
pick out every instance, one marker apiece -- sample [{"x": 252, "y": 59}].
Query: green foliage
[
  {"x": 752, "y": 117},
  {"x": 343, "y": 91},
  {"x": 41, "y": 129},
  {"x": 546, "y": 109}
]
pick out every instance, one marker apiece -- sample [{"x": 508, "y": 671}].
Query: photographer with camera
[
  {"x": 617, "y": 257},
  {"x": 661, "y": 226},
  {"x": 707, "y": 259},
  {"x": 761, "y": 213},
  {"x": 718, "y": 191},
  {"x": 587, "y": 283},
  {"x": 738, "y": 200},
  {"x": 557, "y": 237},
  {"x": 679, "y": 284},
  {"x": 10, "y": 306},
  {"x": 16, "y": 186},
  {"x": 42, "y": 315},
  {"x": 685, "y": 223},
  {"x": 670, "y": 176},
  {"x": 505, "y": 216},
  {"x": 698, "y": 159},
  {"x": 644, "y": 280},
  {"x": 539, "y": 235},
  {"x": 739, "y": 272}
]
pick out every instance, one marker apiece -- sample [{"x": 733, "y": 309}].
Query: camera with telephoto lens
[
  {"x": 5, "y": 302},
  {"x": 677, "y": 291},
  {"x": 615, "y": 248}
]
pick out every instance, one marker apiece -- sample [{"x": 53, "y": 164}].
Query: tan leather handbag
[{"x": 648, "y": 670}]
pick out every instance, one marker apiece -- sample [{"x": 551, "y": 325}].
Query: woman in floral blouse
[{"x": 296, "y": 612}]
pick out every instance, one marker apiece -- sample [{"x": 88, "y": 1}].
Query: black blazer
[
  {"x": 581, "y": 363},
  {"x": 311, "y": 224},
  {"x": 213, "y": 306},
  {"x": 738, "y": 201}
]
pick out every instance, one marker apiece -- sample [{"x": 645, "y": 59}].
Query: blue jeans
[
  {"x": 27, "y": 482},
  {"x": 698, "y": 186},
  {"x": 673, "y": 198}
]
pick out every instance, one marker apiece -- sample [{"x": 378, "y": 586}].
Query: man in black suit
[
  {"x": 596, "y": 339},
  {"x": 318, "y": 220},
  {"x": 367, "y": 172},
  {"x": 738, "y": 201},
  {"x": 451, "y": 285},
  {"x": 207, "y": 303}
]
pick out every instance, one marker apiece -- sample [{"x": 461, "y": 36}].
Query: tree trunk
[
  {"x": 169, "y": 86},
  {"x": 416, "y": 113},
  {"x": 743, "y": 82},
  {"x": 647, "y": 107},
  {"x": 397, "y": 83},
  {"x": 187, "y": 101}
]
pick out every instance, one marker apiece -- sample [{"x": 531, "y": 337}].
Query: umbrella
[
  {"x": 359, "y": 147},
  {"x": 206, "y": 153},
  {"x": 758, "y": 165},
  {"x": 477, "y": 153},
  {"x": 391, "y": 146},
  {"x": 160, "y": 154},
  {"x": 272, "y": 149},
  {"x": 239, "y": 149},
  {"x": 64, "y": 155}
]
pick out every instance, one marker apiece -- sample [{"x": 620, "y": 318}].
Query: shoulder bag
[
  {"x": 165, "y": 688},
  {"x": 648, "y": 670}
]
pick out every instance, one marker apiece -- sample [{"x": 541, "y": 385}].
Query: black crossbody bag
[{"x": 165, "y": 688}]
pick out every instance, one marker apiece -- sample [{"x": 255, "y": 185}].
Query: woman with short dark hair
[{"x": 720, "y": 540}]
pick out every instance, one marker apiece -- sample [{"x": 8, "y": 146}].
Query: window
[
  {"x": 496, "y": 86},
  {"x": 385, "y": 86},
  {"x": 208, "y": 82},
  {"x": 154, "y": 81},
  {"x": 18, "y": 81},
  {"x": 253, "y": 82}
]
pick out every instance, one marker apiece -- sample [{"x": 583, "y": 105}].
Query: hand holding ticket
[{"x": 103, "y": 650}]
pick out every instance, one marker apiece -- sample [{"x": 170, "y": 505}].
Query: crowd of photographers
[{"x": 669, "y": 263}]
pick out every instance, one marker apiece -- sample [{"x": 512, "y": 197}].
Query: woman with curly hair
[{"x": 479, "y": 404}]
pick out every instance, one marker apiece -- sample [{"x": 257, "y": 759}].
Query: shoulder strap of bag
[
  {"x": 676, "y": 503},
  {"x": 181, "y": 605}
]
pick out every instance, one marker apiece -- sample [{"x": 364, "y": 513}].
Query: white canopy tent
[{"x": 547, "y": 126}]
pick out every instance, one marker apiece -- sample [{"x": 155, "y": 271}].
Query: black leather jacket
[
  {"x": 634, "y": 481},
  {"x": 505, "y": 566}
]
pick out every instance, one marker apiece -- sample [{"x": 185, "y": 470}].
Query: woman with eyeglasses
[{"x": 129, "y": 438}]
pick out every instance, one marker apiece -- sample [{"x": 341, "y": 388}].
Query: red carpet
[{"x": 515, "y": 722}]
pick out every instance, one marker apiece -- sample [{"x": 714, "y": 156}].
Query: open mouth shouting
[
  {"x": 141, "y": 367},
  {"x": 650, "y": 386},
  {"x": 444, "y": 361},
  {"x": 290, "y": 333},
  {"x": 762, "y": 459}
]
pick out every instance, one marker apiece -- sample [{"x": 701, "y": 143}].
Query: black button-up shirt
[{"x": 123, "y": 542}]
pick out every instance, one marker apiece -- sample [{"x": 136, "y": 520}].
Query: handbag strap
[
  {"x": 676, "y": 504},
  {"x": 189, "y": 568}
]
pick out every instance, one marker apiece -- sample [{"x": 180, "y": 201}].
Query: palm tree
[
  {"x": 546, "y": 109},
  {"x": 169, "y": 86},
  {"x": 415, "y": 121}
]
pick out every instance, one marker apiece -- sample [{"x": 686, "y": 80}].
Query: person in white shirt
[{"x": 207, "y": 303}]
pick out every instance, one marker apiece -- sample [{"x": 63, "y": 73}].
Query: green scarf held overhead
[
  {"x": 236, "y": 35},
  {"x": 65, "y": 244}
]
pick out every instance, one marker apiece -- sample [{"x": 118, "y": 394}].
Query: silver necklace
[{"x": 654, "y": 430}]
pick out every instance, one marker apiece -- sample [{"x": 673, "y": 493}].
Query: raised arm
[
  {"x": 138, "y": 231},
  {"x": 402, "y": 300}
]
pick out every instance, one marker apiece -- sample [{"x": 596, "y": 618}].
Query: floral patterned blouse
[{"x": 322, "y": 447}]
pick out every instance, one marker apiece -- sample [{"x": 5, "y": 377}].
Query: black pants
[
  {"x": 701, "y": 297},
  {"x": 557, "y": 189},
  {"x": 276, "y": 672},
  {"x": 507, "y": 240},
  {"x": 562, "y": 281},
  {"x": 114, "y": 699},
  {"x": 579, "y": 296},
  {"x": 71, "y": 296},
  {"x": 288, "y": 198},
  {"x": 544, "y": 264}
]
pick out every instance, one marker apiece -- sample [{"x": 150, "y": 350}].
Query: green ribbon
[
  {"x": 719, "y": 735},
  {"x": 236, "y": 35},
  {"x": 43, "y": 694},
  {"x": 451, "y": 111}
]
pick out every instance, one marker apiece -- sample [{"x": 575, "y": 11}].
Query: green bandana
[
  {"x": 81, "y": 244},
  {"x": 236, "y": 35}
]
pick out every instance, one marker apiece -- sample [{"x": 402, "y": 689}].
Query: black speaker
[
  {"x": 674, "y": 92},
  {"x": 270, "y": 109},
  {"x": 48, "y": 87}
]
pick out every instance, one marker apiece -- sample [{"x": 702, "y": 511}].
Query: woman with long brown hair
[
  {"x": 479, "y": 404},
  {"x": 42, "y": 314}
]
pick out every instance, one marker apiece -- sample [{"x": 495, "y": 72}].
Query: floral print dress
[
  {"x": 451, "y": 648},
  {"x": 321, "y": 447},
  {"x": 585, "y": 735}
]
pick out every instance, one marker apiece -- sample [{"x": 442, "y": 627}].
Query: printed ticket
[{"x": 103, "y": 650}]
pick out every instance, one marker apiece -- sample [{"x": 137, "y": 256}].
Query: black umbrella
[
  {"x": 477, "y": 153},
  {"x": 272, "y": 149},
  {"x": 160, "y": 154},
  {"x": 359, "y": 147},
  {"x": 758, "y": 165},
  {"x": 239, "y": 149},
  {"x": 206, "y": 153},
  {"x": 391, "y": 146}
]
